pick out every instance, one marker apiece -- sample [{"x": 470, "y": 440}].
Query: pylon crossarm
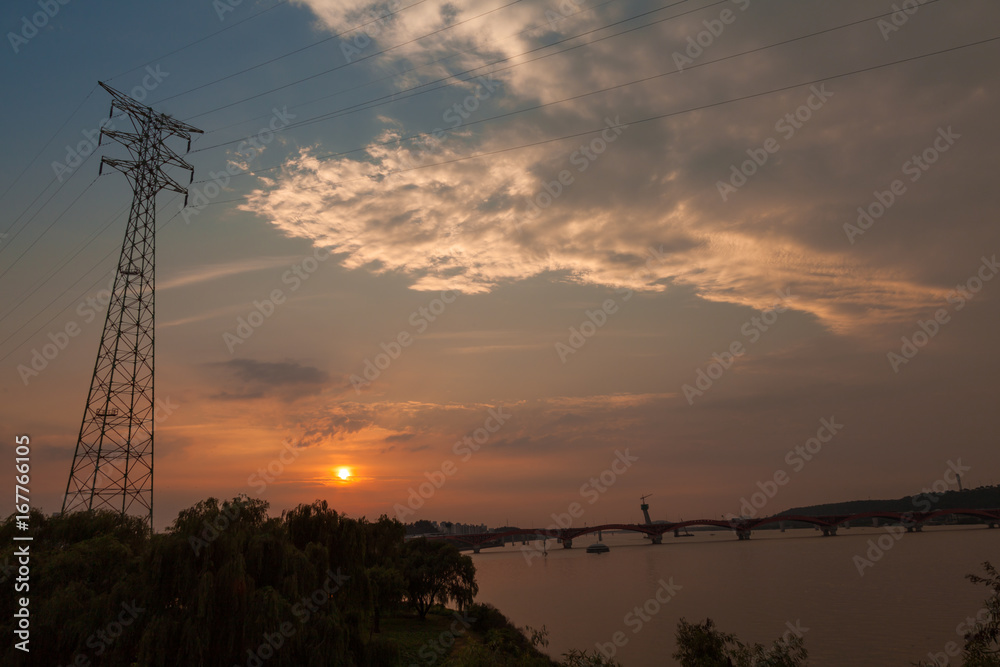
[
  {"x": 169, "y": 183},
  {"x": 124, "y": 166},
  {"x": 175, "y": 160},
  {"x": 129, "y": 140},
  {"x": 131, "y": 107}
]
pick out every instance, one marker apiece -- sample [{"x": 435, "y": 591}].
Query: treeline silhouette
[
  {"x": 225, "y": 585},
  {"x": 983, "y": 497}
]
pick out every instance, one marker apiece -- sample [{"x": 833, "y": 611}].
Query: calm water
[{"x": 906, "y": 605}]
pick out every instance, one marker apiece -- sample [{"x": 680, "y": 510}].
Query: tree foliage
[
  {"x": 982, "y": 643},
  {"x": 435, "y": 572},
  {"x": 702, "y": 645},
  {"x": 225, "y": 585}
]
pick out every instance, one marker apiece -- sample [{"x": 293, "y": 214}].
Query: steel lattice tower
[{"x": 113, "y": 462}]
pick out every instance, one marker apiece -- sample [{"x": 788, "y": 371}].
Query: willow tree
[{"x": 435, "y": 572}]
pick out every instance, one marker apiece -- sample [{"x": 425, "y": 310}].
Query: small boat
[{"x": 598, "y": 547}]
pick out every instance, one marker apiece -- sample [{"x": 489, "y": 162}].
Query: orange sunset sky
[{"x": 693, "y": 255}]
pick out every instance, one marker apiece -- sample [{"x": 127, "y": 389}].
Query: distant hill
[{"x": 983, "y": 497}]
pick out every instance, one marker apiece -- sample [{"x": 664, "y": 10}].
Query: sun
[{"x": 344, "y": 474}]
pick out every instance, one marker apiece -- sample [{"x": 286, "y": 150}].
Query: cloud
[
  {"x": 639, "y": 207},
  {"x": 259, "y": 379},
  {"x": 203, "y": 274}
]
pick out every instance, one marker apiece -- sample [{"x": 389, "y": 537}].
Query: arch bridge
[{"x": 742, "y": 527}]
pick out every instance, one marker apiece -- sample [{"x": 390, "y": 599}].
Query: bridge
[{"x": 741, "y": 526}]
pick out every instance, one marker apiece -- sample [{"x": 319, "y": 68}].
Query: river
[{"x": 907, "y": 604}]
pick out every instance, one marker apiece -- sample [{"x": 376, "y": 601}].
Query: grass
[
  {"x": 441, "y": 639},
  {"x": 418, "y": 639}
]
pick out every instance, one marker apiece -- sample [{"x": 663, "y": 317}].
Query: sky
[{"x": 499, "y": 258}]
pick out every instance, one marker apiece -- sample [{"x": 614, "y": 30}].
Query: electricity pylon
[{"x": 113, "y": 463}]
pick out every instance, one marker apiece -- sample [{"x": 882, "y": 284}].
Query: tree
[
  {"x": 577, "y": 658},
  {"x": 421, "y": 527},
  {"x": 387, "y": 588},
  {"x": 982, "y": 643},
  {"x": 702, "y": 645},
  {"x": 435, "y": 571}
]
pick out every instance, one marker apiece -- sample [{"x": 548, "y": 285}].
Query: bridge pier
[
  {"x": 829, "y": 531},
  {"x": 476, "y": 548},
  {"x": 567, "y": 543},
  {"x": 743, "y": 534},
  {"x": 915, "y": 528},
  {"x": 993, "y": 524},
  {"x": 658, "y": 539}
]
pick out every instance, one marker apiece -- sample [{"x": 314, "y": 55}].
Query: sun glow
[{"x": 343, "y": 474}]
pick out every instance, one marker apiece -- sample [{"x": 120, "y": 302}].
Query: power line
[
  {"x": 64, "y": 263},
  {"x": 562, "y": 17},
  {"x": 290, "y": 53},
  {"x": 394, "y": 97},
  {"x": 51, "y": 224},
  {"x": 27, "y": 208},
  {"x": 199, "y": 40},
  {"x": 574, "y": 97},
  {"x": 76, "y": 298},
  {"x": 453, "y": 26},
  {"x": 362, "y": 59},
  {"x": 647, "y": 119},
  {"x": 42, "y": 149},
  {"x": 91, "y": 92},
  {"x": 659, "y": 116}
]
